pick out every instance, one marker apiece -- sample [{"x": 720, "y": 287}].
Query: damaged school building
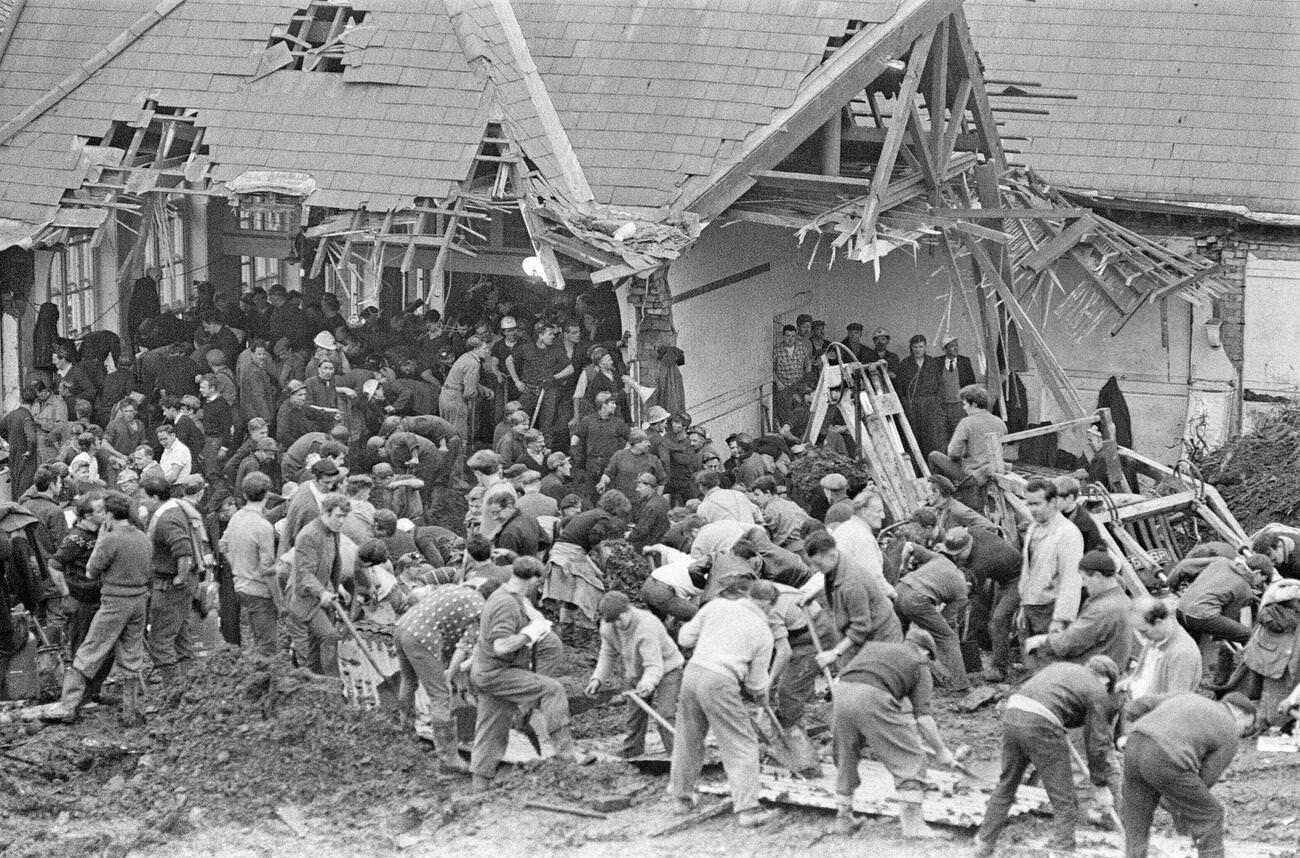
[{"x": 1077, "y": 191}]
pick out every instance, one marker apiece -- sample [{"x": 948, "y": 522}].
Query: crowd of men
[{"x": 297, "y": 482}]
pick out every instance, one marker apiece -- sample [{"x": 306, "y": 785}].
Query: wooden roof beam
[
  {"x": 985, "y": 126},
  {"x": 827, "y": 89}
]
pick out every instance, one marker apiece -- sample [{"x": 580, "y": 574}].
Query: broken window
[
  {"x": 72, "y": 287},
  {"x": 314, "y": 36}
]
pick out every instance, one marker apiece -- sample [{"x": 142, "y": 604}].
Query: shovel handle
[
  {"x": 776, "y": 722},
  {"x": 43, "y": 638},
  {"x": 817, "y": 642},
  {"x": 356, "y": 636},
  {"x": 1078, "y": 761},
  {"x": 650, "y": 710}
]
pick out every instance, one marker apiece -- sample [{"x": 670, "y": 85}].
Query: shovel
[
  {"x": 654, "y": 765},
  {"x": 385, "y": 688},
  {"x": 803, "y": 757},
  {"x": 817, "y": 642}
]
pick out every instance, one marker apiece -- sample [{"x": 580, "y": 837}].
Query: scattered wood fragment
[
  {"x": 610, "y": 803},
  {"x": 694, "y": 819},
  {"x": 565, "y": 808}
]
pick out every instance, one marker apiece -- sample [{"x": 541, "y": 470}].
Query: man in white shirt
[{"x": 176, "y": 461}]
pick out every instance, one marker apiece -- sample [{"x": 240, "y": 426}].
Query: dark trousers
[
  {"x": 663, "y": 601},
  {"x": 263, "y": 621},
  {"x": 1220, "y": 628},
  {"x": 1028, "y": 738},
  {"x": 547, "y": 413},
  {"x": 919, "y": 609},
  {"x": 1002, "y": 622},
  {"x": 228, "y": 604},
  {"x": 798, "y": 683},
  {"x": 79, "y": 616},
  {"x": 1151, "y": 778}
]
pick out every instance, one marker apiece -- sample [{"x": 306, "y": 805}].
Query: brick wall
[
  {"x": 654, "y": 306},
  {"x": 1231, "y": 250}
]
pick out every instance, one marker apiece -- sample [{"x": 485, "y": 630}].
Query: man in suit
[
  {"x": 917, "y": 385},
  {"x": 953, "y": 371},
  {"x": 313, "y": 587}
]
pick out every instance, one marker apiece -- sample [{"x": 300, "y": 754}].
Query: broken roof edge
[
  {"x": 20, "y": 233},
  {"x": 1191, "y": 208}
]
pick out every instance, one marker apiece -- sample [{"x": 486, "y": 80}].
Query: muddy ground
[{"x": 252, "y": 758}]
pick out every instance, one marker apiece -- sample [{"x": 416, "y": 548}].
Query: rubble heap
[
  {"x": 1258, "y": 473},
  {"x": 240, "y": 737}
]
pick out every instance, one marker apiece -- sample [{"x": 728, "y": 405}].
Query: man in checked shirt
[{"x": 434, "y": 638}]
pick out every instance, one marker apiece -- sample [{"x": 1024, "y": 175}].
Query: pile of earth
[
  {"x": 1258, "y": 473},
  {"x": 239, "y": 738},
  {"x": 807, "y": 470}
]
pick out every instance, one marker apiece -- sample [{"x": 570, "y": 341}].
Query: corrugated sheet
[{"x": 1180, "y": 100}]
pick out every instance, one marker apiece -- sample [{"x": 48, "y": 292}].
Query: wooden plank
[
  {"x": 982, "y": 232},
  {"x": 822, "y": 94},
  {"x": 1006, "y": 214},
  {"x": 894, "y": 139},
  {"x": 937, "y": 99},
  {"x": 1049, "y": 429},
  {"x": 985, "y": 126},
  {"x": 925, "y": 153},
  {"x": 1065, "y": 241},
  {"x": 952, "y": 135},
  {"x": 1049, "y": 369},
  {"x": 421, "y": 223},
  {"x": 1177, "y": 502}
]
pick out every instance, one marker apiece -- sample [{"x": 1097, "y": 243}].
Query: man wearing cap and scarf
[
  {"x": 952, "y": 372},
  {"x": 853, "y": 342},
  {"x": 649, "y": 512},
  {"x": 557, "y": 479},
  {"x": 305, "y": 506},
  {"x": 1062, "y": 696},
  {"x": 291, "y": 420},
  {"x": 869, "y": 712},
  {"x": 880, "y": 351},
  {"x": 635, "y": 640},
  {"x": 1178, "y": 749},
  {"x": 265, "y": 460},
  {"x": 1103, "y": 625}
]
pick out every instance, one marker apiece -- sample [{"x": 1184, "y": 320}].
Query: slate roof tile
[{"x": 1195, "y": 100}]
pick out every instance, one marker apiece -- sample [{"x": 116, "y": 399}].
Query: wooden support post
[
  {"x": 894, "y": 138},
  {"x": 421, "y": 223},
  {"x": 1126, "y": 571},
  {"x": 937, "y": 99},
  {"x": 955, "y": 117},
  {"x": 1050, "y": 372},
  {"x": 985, "y": 125},
  {"x": 830, "y": 140}
]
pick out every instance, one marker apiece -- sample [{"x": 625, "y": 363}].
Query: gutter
[{"x": 1186, "y": 207}]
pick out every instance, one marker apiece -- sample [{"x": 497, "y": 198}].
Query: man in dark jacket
[
  {"x": 179, "y": 544},
  {"x": 18, "y": 429},
  {"x": 120, "y": 562},
  {"x": 517, "y": 531},
  {"x": 1103, "y": 626},
  {"x": 42, "y": 500},
  {"x": 649, "y": 513},
  {"x": 313, "y": 588},
  {"x": 1060, "y": 697},
  {"x": 1179, "y": 747}
]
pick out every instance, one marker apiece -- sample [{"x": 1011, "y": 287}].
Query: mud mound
[
  {"x": 240, "y": 737},
  {"x": 807, "y": 470},
  {"x": 1258, "y": 473}
]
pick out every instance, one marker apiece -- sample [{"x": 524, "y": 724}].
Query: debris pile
[
  {"x": 240, "y": 738},
  {"x": 1258, "y": 473},
  {"x": 807, "y": 470}
]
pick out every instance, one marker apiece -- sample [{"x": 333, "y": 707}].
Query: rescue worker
[{"x": 870, "y": 711}]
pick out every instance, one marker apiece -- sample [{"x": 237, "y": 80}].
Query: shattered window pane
[{"x": 314, "y": 36}]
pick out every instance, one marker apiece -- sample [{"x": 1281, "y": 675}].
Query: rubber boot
[
  {"x": 65, "y": 710},
  {"x": 132, "y": 714},
  {"x": 567, "y": 749},
  {"x": 909, "y": 814},
  {"x": 444, "y": 740},
  {"x": 547, "y": 746}
]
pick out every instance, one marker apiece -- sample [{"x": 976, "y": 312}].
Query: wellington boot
[
  {"x": 567, "y": 749},
  {"x": 444, "y": 739},
  {"x": 65, "y": 710},
  {"x": 914, "y": 827}
]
